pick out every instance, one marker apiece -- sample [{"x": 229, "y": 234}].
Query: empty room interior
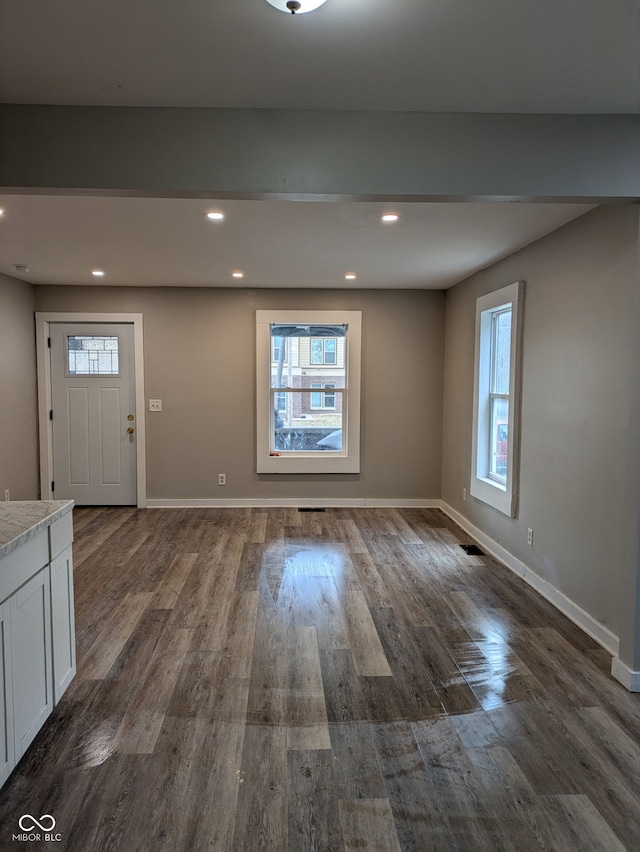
[{"x": 319, "y": 425}]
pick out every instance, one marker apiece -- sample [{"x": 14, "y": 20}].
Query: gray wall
[
  {"x": 18, "y": 402},
  {"x": 293, "y": 153},
  {"x": 579, "y": 449},
  {"x": 200, "y": 360}
]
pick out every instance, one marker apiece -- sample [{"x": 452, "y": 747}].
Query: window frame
[
  {"x": 346, "y": 460},
  {"x": 500, "y": 493}
]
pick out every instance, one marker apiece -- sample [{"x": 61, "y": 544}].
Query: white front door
[{"x": 93, "y": 413}]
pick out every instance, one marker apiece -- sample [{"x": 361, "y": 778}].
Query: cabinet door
[
  {"x": 7, "y": 750},
  {"x": 62, "y": 623},
  {"x": 30, "y": 614}
]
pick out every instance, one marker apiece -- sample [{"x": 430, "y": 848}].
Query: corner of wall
[
  {"x": 18, "y": 433},
  {"x": 629, "y": 678}
]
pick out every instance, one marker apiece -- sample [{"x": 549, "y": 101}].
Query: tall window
[
  {"x": 499, "y": 392},
  {"x": 308, "y": 391},
  {"x": 496, "y": 394}
]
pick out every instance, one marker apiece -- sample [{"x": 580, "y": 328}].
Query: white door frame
[{"x": 43, "y": 366}]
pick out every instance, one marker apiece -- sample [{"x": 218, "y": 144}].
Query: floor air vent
[
  {"x": 472, "y": 550},
  {"x": 312, "y": 510}
]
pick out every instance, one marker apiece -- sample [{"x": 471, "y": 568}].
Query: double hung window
[
  {"x": 308, "y": 391},
  {"x": 500, "y": 359},
  {"x": 496, "y": 396}
]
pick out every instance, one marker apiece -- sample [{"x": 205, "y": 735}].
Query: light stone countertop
[{"x": 21, "y": 520}]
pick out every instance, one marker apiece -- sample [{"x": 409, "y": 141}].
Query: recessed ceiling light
[
  {"x": 1, "y": 211},
  {"x": 99, "y": 273},
  {"x": 390, "y": 217},
  {"x": 350, "y": 276},
  {"x": 215, "y": 215},
  {"x": 238, "y": 274}
]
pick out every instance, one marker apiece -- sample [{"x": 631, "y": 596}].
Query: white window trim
[
  {"x": 501, "y": 496},
  {"x": 346, "y": 460}
]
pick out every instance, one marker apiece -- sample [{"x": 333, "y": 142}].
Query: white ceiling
[
  {"x": 567, "y": 56},
  {"x": 150, "y": 241}
]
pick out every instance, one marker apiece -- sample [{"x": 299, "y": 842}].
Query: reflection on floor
[{"x": 265, "y": 679}]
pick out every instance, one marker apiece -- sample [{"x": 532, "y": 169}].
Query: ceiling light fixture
[
  {"x": 350, "y": 276},
  {"x": 215, "y": 216},
  {"x": 99, "y": 273},
  {"x": 390, "y": 217},
  {"x": 238, "y": 274},
  {"x": 296, "y": 7}
]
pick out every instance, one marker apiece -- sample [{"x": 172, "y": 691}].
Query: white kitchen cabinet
[
  {"x": 62, "y": 622},
  {"x": 7, "y": 746},
  {"x": 37, "y": 625},
  {"x": 30, "y": 627}
]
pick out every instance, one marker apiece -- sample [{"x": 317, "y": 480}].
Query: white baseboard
[
  {"x": 293, "y": 502},
  {"x": 629, "y": 678},
  {"x": 602, "y": 635}
]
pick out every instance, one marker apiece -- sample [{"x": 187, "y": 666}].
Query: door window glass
[{"x": 92, "y": 355}]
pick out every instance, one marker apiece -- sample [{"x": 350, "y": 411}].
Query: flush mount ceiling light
[
  {"x": 215, "y": 216},
  {"x": 98, "y": 273},
  {"x": 296, "y": 7}
]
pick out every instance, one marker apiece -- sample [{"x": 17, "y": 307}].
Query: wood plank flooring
[{"x": 268, "y": 679}]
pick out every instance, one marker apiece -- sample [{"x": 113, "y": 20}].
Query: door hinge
[
  {"x": 53, "y": 486},
  {"x": 49, "y": 342},
  {"x": 51, "y": 414}
]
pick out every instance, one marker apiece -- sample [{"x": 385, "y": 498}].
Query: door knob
[{"x": 130, "y": 430}]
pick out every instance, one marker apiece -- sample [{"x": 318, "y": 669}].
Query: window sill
[
  {"x": 300, "y": 463},
  {"x": 493, "y": 494},
  {"x": 487, "y": 480}
]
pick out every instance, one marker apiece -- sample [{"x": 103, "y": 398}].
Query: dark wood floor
[{"x": 345, "y": 680}]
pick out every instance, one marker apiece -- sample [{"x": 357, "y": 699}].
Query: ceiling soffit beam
[{"x": 318, "y": 154}]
